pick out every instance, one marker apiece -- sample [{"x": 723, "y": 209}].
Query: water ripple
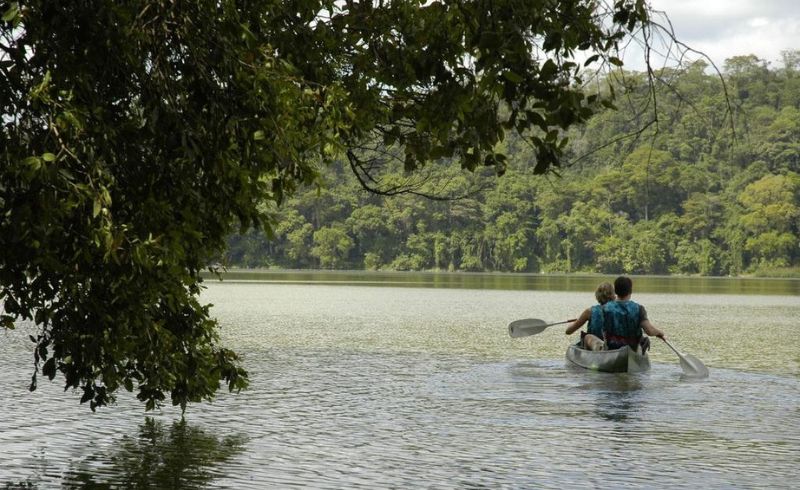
[{"x": 411, "y": 407}]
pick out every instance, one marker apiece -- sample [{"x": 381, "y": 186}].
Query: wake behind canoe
[{"x": 624, "y": 360}]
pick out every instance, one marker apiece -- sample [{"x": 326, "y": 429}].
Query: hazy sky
[{"x": 725, "y": 28}]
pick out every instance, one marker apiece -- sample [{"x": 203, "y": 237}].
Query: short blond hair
[{"x": 604, "y": 293}]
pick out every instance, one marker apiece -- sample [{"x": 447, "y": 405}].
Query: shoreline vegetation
[
  {"x": 573, "y": 282},
  {"x": 714, "y": 191},
  {"x": 782, "y": 274}
]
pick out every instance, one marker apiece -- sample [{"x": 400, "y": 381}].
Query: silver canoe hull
[{"x": 624, "y": 360}]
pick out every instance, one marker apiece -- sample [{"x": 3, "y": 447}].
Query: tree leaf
[
  {"x": 547, "y": 70},
  {"x": 512, "y": 77},
  {"x": 49, "y": 368},
  {"x": 12, "y": 13},
  {"x": 591, "y": 59}
]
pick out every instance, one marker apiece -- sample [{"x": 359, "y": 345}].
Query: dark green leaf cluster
[
  {"x": 133, "y": 137},
  {"x": 450, "y": 79}
]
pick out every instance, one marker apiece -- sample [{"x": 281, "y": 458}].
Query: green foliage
[
  {"x": 372, "y": 261},
  {"x": 691, "y": 199},
  {"x": 695, "y": 257},
  {"x": 331, "y": 246}
]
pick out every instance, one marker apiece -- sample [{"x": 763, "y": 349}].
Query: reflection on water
[
  {"x": 617, "y": 394},
  {"x": 177, "y": 456},
  {"x": 360, "y": 387},
  {"x": 159, "y": 455},
  {"x": 517, "y": 281}
]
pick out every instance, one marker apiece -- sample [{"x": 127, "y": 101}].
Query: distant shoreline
[
  {"x": 509, "y": 281},
  {"x": 789, "y": 274}
]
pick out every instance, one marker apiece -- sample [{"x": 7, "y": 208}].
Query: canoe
[{"x": 623, "y": 360}]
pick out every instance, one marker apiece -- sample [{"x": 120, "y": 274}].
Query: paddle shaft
[
  {"x": 560, "y": 323},
  {"x": 672, "y": 347}
]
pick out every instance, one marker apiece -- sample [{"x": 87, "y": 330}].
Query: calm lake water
[{"x": 416, "y": 384}]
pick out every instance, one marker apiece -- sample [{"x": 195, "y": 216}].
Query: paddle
[
  {"x": 691, "y": 365},
  {"x": 530, "y": 326}
]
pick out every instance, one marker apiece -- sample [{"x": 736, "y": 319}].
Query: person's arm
[
  {"x": 648, "y": 326},
  {"x": 651, "y": 329},
  {"x": 587, "y": 313}
]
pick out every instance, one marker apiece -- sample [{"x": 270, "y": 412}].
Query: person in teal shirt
[
  {"x": 592, "y": 339},
  {"x": 624, "y": 321}
]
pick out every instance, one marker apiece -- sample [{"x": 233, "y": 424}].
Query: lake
[{"x": 385, "y": 380}]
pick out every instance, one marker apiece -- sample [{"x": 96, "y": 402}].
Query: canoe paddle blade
[
  {"x": 530, "y": 326},
  {"x": 526, "y": 327},
  {"x": 692, "y": 366}
]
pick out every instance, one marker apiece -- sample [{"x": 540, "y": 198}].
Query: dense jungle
[{"x": 697, "y": 171}]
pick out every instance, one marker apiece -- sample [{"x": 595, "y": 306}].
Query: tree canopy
[
  {"x": 690, "y": 196},
  {"x": 137, "y": 136}
]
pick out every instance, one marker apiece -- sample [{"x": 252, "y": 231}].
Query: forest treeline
[{"x": 700, "y": 178}]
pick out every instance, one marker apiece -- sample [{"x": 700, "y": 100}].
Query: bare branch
[{"x": 370, "y": 183}]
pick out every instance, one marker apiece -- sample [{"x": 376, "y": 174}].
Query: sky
[{"x": 725, "y": 28}]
